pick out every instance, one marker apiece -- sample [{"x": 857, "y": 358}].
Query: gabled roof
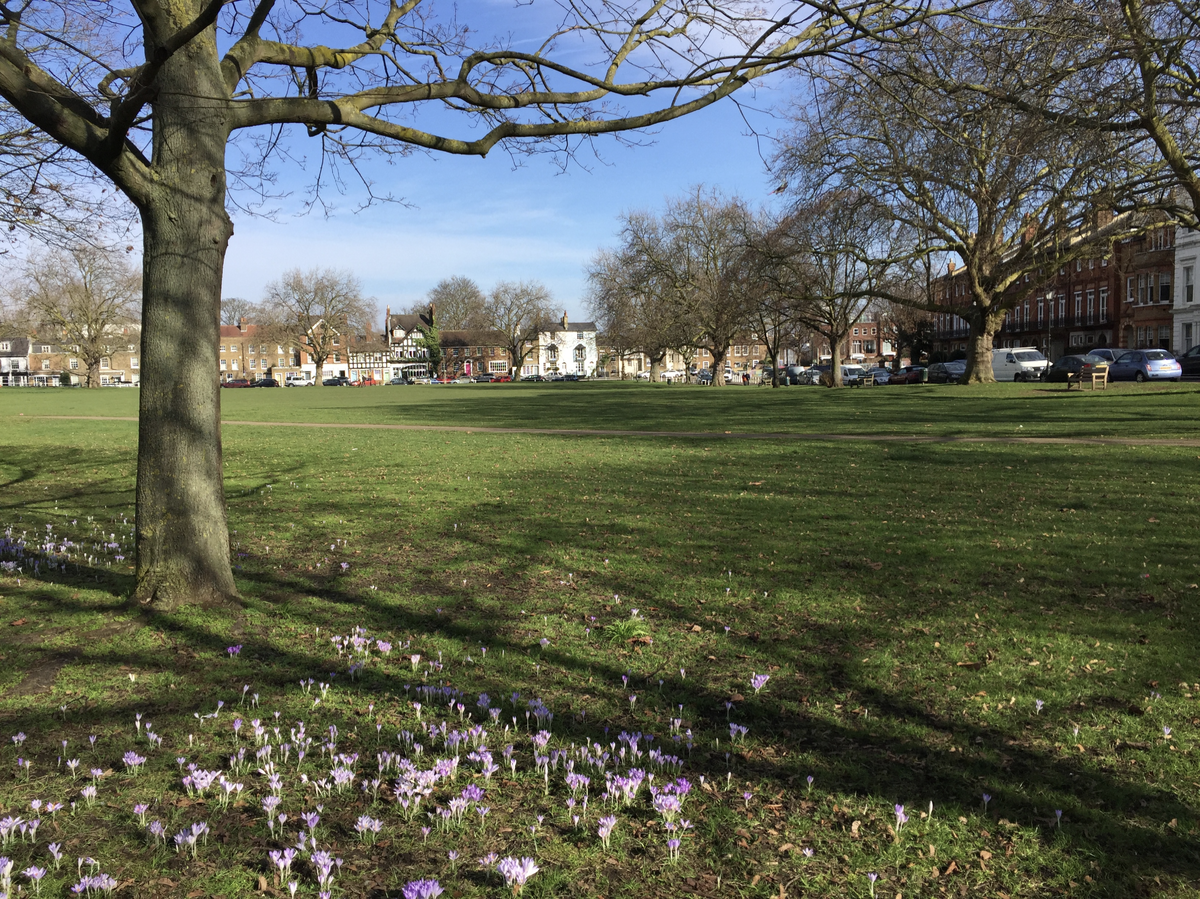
[
  {"x": 555, "y": 327},
  {"x": 19, "y": 346},
  {"x": 472, "y": 337},
  {"x": 408, "y": 322}
]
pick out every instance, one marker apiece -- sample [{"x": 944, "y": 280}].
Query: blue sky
[{"x": 491, "y": 221}]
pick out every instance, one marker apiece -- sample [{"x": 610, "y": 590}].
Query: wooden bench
[
  {"x": 864, "y": 381},
  {"x": 1096, "y": 378}
]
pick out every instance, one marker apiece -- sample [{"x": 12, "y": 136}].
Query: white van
[{"x": 1019, "y": 363}]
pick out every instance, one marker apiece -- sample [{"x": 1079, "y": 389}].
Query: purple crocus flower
[
  {"x": 516, "y": 873},
  {"x": 234, "y": 650},
  {"x": 421, "y": 889}
]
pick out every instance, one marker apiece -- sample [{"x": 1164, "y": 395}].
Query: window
[
  {"x": 253, "y": 364},
  {"x": 1091, "y": 262},
  {"x": 1141, "y": 337},
  {"x": 1041, "y": 304},
  {"x": 1103, "y": 304},
  {"x": 133, "y": 363},
  {"x": 1189, "y": 283},
  {"x": 280, "y": 362},
  {"x": 1091, "y": 307},
  {"x": 580, "y": 353},
  {"x": 279, "y": 349},
  {"x": 45, "y": 365},
  {"x": 337, "y": 357},
  {"x": 222, "y": 348},
  {"x": 45, "y": 349},
  {"x": 336, "y": 342},
  {"x": 250, "y": 349},
  {"x": 1062, "y": 308},
  {"x": 233, "y": 365},
  {"x": 1164, "y": 336},
  {"x": 222, "y": 365},
  {"x": 1130, "y": 291},
  {"x": 500, "y": 366},
  {"x": 552, "y": 353},
  {"x": 129, "y": 348},
  {"x": 1142, "y": 288},
  {"x": 869, "y": 347},
  {"x": 105, "y": 364},
  {"x": 1104, "y": 262},
  {"x": 856, "y": 347},
  {"x": 1078, "y": 265},
  {"x": 1187, "y": 334},
  {"x": 5, "y": 346},
  {"x": 1078, "y": 306},
  {"x": 73, "y": 365},
  {"x": 1164, "y": 287}
]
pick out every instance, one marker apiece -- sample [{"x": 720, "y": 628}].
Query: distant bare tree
[
  {"x": 514, "y": 310},
  {"x": 688, "y": 258},
  {"x": 85, "y": 296},
  {"x": 967, "y": 175},
  {"x": 829, "y": 259},
  {"x": 322, "y": 309},
  {"x": 234, "y": 309},
  {"x": 458, "y": 303}
]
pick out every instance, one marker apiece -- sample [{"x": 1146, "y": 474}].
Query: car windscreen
[{"x": 1029, "y": 356}]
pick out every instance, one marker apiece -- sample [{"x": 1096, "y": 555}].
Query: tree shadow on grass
[{"x": 908, "y": 749}]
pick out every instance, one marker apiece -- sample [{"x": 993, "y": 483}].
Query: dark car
[
  {"x": 484, "y": 378},
  {"x": 1190, "y": 361},
  {"x": 1070, "y": 366},
  {"x": 881, "y": 375},
  {"x": 398, "y": 381},
  {"x": 909, "y": 374},
  {"x": 336, "y": 382},
  {"x": 264, "y": 382},
  {"x": 1110, "y": 355},
  {"x": 1146, "y": 365},
  {"x": 705, "y": 376},
  {"x": 532, "y": 378},
  {"x": 947, "y": 372},
  {"x": 236, "y": 382}
]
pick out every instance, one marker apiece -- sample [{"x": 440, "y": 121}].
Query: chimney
[
  {"x": 950, "y": 266},
  {"x": 564, "y": 321},
  {"x": 242, "y": 324},
  {"x": 432, "y": 309}
]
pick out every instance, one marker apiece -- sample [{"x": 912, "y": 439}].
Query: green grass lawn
[
  {"x": 939, "y": 621},
  {"x": 998, "y": 410}
]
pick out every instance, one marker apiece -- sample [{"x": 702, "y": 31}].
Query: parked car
[
  {"x": 398, "y": 381},
  {"x": 810, "y": 377},
  {"x": 484, "y": 378},
  {"x": 852, "y": 374},
  {"x": 909, "y": 374},
  {"x": 947, "y": 372},
  {"x": 1189, "y": 361},
  {"x": 1019, "y": 363},
  {"x": 704, "y": 376},
  {"x": 881, "y": 375},
  {"x": 264, "y": 382},
  {"x": 1146, "y": 365},
  {"x": 297, "y": 382},
  {"x": 336, "y": 382},
  {"x": 1069, "y": 366},
  {"x": 1111, "y": 355},
  {"x": 236, "y": 382},
  {"x": 502, "y": 379}
]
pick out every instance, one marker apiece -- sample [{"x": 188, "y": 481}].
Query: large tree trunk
[
  {"x": 182, "y": 533},
  {"x": 718, "y": 368},
  {"x": 656, "y": 368},
  {"x": 835, "y": 363},
  {"x": 984, "y": 325}
]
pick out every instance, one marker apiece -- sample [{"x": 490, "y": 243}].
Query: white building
[
  {"x": 1187, "y": 303},
  {"x": 563, "y": 348}
]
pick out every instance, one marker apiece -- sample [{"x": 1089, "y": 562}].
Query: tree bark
[
  {"x": 984, "y": 325},
  {"x": 182, "y": 528},
  {"x": 718, "y": 368}
]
